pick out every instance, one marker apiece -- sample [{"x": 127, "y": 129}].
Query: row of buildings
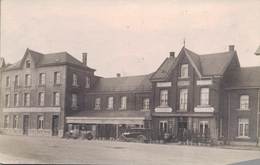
[{"x": 48, "y": 94}]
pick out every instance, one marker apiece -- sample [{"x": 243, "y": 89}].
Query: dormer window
[
  {"x": 28, "y": 63},
  {"x": 184, "y": 70}
]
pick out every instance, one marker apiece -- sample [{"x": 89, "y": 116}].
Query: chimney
[
  {"x": 172, "y": 54},
  {"x": 84, "y": 58},
  {"x": 118, "y": 75},
  {"x": 231, "y": 48}
]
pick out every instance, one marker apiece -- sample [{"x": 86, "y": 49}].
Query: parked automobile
[
  {"x": 142, "y": 135},
  {"x": 75, "y": 134}
]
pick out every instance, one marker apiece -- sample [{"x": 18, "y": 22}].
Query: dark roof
[
  {"x": 121, "y": 84},
  {"x": 49, "y": 59},
  {"x": 205, "y": 65},
  {"x": 111, "y": 113},
  {"x": 243, "y": 77},
  {"x": 164, "y": 70},
  {"x": 258, "y": 51}
]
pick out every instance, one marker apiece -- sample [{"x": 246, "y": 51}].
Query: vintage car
[
  {"x": 142, "y": 135},
  {"x": 75, "y": 134}
]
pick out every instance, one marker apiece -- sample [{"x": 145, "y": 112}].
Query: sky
[{"x": 128, "y": 36}]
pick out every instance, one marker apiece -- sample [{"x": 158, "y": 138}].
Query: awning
[{"x": 105, "y": 120}]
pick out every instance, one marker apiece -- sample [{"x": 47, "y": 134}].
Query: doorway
[
  {"x": 55, "y": 125},
  {"x": 25, "y": 124},
  {"x": 182, "y": 125}
]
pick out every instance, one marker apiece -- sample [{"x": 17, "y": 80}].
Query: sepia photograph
[{"x": 130, "y": 82}]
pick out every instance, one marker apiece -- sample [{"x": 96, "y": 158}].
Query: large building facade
[{"x": 209, "y": 94}]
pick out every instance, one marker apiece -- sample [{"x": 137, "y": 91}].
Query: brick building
[{"x": 208, "y": 94}]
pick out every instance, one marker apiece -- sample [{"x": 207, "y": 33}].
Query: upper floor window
[
  {"x": 7, "y": 100},
  {"x": 16, "y": 99},
  {"x": 6, "y": 121},
  {"x": 243, "y": 127},
  {"x": 146, "y": 103},
  {"x": 123, "y": 102},
  {"x": 42, "y": 79},
  {"x": 16, "y": 80},
  {"x": 7, "y": 82},
  {"x": 164, "y": 98},
  {"x": 41, "y": 99},
  {"x": 56, "y": 98},
  {"x": 74, "y": 80},
  {"x": 15, "y": 121},
  {"x": 27, "y": 80},
  {"x": 27, "y": 98},
  {"x": 204, "y": 96},
  {"x": 57, "y": 79},
  {"x": 97, "y": 103},
  {"x": 184, "y": 70},
  {"x": 28, "y": 64},
  {"x": 74, "y": 103},
  {"x": 87, "y": 82},
  {"x": 110, "y": 102},
  {"x": 40, "y": 122},
  {"x": 183, "y": 99},
  {"x": 244, "y": 102}
]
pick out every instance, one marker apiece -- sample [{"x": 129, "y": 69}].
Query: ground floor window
[
  {"x": 40, "y": 122},
  {"x": 6, "y": 121},
  {"x": 204, "y": 128},
  {"x": 163, "y": 126},
  {"x": 15, "y": 121},
  {"x": 243, "y": 127}
]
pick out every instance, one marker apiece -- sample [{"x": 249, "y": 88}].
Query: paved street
[{"x": 20, "y": 149}]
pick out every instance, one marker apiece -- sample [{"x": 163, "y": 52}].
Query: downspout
[{"x": 257, "y": 117}]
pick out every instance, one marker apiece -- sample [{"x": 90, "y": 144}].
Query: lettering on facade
[
  {"x": 204, "y": 82},
  {"x": 164, "y": 84}
]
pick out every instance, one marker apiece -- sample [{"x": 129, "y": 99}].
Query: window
[
  {"x": 163, "y": 127},
  {"x": 123, "y": 102},
  {"x": 97, "y": 103},
  {"x": 56, "y": 98},
  {"x": 42, "y": 79},
  {"x": 6, "y": 121},
  {"x": 164, "y": 98},
  {"x": 16, "y": 81},
  {"x": 183, "y": 99},
  {"x": 57, "y": 79},
  {"x": 7, "y": 82},
  {"x": 27, "y": 98},
  {"x": 27, "y": 80},
  {"x": 7, "y": 100},
  {"x": 243, "y": 127},
  {"x": 204, "y": 96},
  {"x": 146, "y": 103},
  {"x": 184, "y": 70},
  {"x": 40, "y": 122},
  {"x": 75, "y": 80},
  {"x": 244, "y": 102},
  {"x": 87, "y": 82},
  {"x": 74, "y": 103},
  {"x": 16, "y": 99},
  {"x": 204, "y": 128},
  {"x": 110, "y": 104},
  {"x": 15, "y": 121},
  {"x": 41, "y": 99},
  {"x": 28, "y": 64}
]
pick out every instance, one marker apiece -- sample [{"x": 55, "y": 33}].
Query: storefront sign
[
  {"x": 204, "y": 82},
  {"x": 203, "y": 109},
  {"x": 32, "y": 109},
  {"x": 163, "y": 109},
  {"x": 164, "y": 84}
]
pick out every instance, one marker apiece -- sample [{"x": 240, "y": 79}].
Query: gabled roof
[
  {"x": 257, "y": 51},
  {"x": 48, "y": 59},
  {"x": 123, "y": 84},
  {"x": 204, "y": 65},
  {"x": 243, "y": 77}
]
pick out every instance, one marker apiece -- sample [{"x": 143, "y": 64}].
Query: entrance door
[
  {"x": 55, "y": 125},
  {"x": 182, "y": 125},
  {"x": 25, "y": 124}
]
